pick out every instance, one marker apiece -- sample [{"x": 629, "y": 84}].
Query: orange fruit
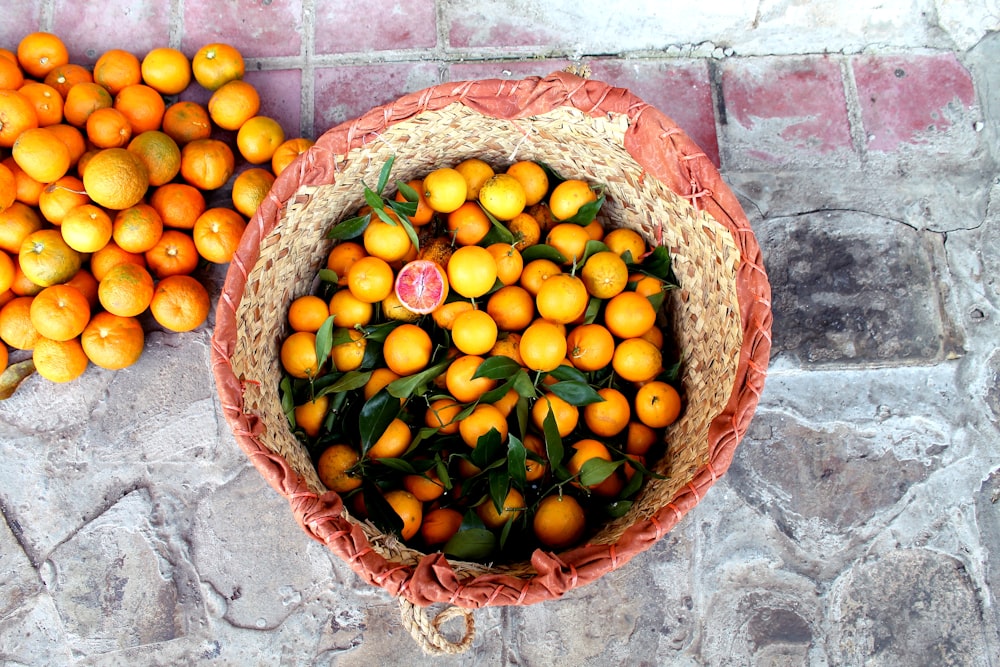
[
  {"x": 425, "y": 487},
  {"x": 116, "y": 69},
  {"x": 184, "y": 121},
  {"x": 298, "y": 355},
  {"x": 472, "y": 271},
  {"x": 41, "y": 154},
  {"x": 566, "y": 415},
  {"x": 217, "y": 233},
  {"x": 207, "y": 164},
  {"x": 622, "y": 240},
  {"x": 525, "y": 229},
  {"x": 7, "y": 272},
  {"x": 178, "y": 204},
  {"x": 60, "y": 312},
  {"x": 506, "y": 403},
  {"x": 335, "y": 468},
  {"x": 441, "y": 414},
  {"x": 445, "y": 314},
  {"x": 569, "y": 196},
  {"x": 22, "y": 286},
  {"x": 393, "y": 442},
  {"x": 511, "y": 307},
  {"x": 307, "y": 313},
  {"x": 250, "y": 188},
  {"x": 534, "y": 469},
  {"x": 310, "y": 416},
  {"x": 348, "y": 356},
  {"x": 590, "y": 347},
  {"x": 126, "y": 290},
  {"x": 288, "y": 151},
  {"x": 142, "y": 105},
  {"x": 510, "y": 264},
  {"x": 595, "y": 229},
  {"x": 8, "y": 187},
  {"x": 379, "y": 380},
  {"x": 342, "y": 256},
  {"x": 536, "y": 272},
  {"x": 503, "y": 196},
  {"x": 59, "y": 198},
  {"x": 27, "y": 189},
  {"x": 424, "y": 212},
  {"x": 543, "y": 346},
  {"x": 84, "y": 99},
  {"x": 483, "y": 419},
  {"x": 657, "y": 404},
  {"x": 64, "y": 77},
  {"x": 73, "y": 138},
  {"x": 216, "y": 64},
  {"x": 637, "y": 360},
  {"x": 533, "y": 179},
  {"x": 111, "y": 255},
  {"x": 39, "y": 53},
  {"x": 639, "y": 438},
  {"x": 604, "y": 274},
  {"x": 645, "y": 285},
  {"x": 421, "y": 286},
  {"x": 569, "y": 239},
  {"x": 474, "y": 332},
  {"x": 166, "y": 70},
  {"x": 511, "y": 507},
  {"x": 234, "y": 103},
  {"x": 111, "y": 341},
  {"x": 409, "y": 509},
  {"x": 609, "y": 417},
  {"x": 394, "y": 309},
  {"x": 137, "y": 228},
  {"x": 174, "y": 254},
  {"x": 159, "y": 153},
  {"x": 459, "y": 380},
  {"x": 559, "y": 521},
  {"x": 348, "y": 310},
  {"x": 85, "y": 281},
  {"x": 629, "y": 315},
  {"x": 59, "y": 360},
  {"x": 468, "y": 224},
  {"x": 46, "y": 100},
  {"x": 180, "y": 303},
  {"x": 407, "y": 349},
  {"x": 17, "y": 114},
  {"x": 440, "y": 525},
  {"x": 370, "y": 279},
  {"x": 445, "y": 189},
  {"x": 46, "y": 259},
  {"x": 562, "y": 299},
  {"x": 11, "y": 76},
  {"x": 584, "y": 450},
  {"x": 388, "y": 242},
  {"x": 16, "y": 328},
  {"x": 258, "y": 138},
  {"x": 475, "y": 172},
  {"x": 654, "y": 335},
  {"x": 116, "y": 179}
]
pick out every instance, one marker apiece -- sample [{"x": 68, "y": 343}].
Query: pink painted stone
[
  {"x": 505, "y": 69},
  {"x": 344, "y": 93},
  {"x": 91, "y": 28},
  {"x": 280, "y": 97},
  {"x": 344, "y": 26},
  {"x": 257, "y": 29},
  {"x": 904, "y": 100}
]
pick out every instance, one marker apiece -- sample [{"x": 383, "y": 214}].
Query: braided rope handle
[{"x": 426, "y": 631}]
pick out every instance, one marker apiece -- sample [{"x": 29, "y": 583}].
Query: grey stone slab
[{"x": 849, "y": 288}]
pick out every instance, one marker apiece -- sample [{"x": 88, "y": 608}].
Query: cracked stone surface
[{"x": 859, "y": 521}]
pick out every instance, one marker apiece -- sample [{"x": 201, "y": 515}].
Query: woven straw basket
[{"x": 658, "y": 182}]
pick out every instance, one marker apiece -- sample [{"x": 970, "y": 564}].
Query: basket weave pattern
[{"x": 658, "y": 183}]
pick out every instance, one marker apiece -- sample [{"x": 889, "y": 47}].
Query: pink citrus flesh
[{"x": 421, "y": 286}]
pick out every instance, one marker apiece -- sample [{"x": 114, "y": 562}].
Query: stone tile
[
  {"x": 32, "y": 634},
  {"x": 907, "y": 606},
  {"x": 682, "y": 89},
  {"x": 89, "y": 29},
  {"x": 912, "y": 99},
  {"x": 18, "y": 579},
  {"x": 783, "y": 112},
  {"x": 474, "y": 70},
  {"x": 16, "y": 25},
  {"x": 851, "y": 288},
  {"x": 280, "y": 97},
  {"x": 989, "y": 522},
  {"x": 344, "y": 93},
  {"x": 258, "y": 30},
  {"x": 342, "y": 26}
]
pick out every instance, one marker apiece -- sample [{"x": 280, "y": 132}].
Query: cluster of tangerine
[
  {"x": 105, "y": 177},
  {"x": 483, "y": 369}
]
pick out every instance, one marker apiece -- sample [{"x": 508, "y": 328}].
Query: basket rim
[{"x": 690, "y": 174}]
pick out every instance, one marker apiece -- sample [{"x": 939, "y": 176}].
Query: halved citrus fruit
[{"x": 421, "y": 286}]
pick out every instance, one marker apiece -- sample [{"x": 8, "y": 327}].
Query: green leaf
[
  {"x": 587, "y": 212},
  {"x": 379, "y": 332},
  {"x": 345, "y": 382},
  {"x": 409, "y": 193},
  {"x": 523, "y": 384},
  {"x": 349, "y": 228},
  {"x": 657, "y": 264},
  {"x": 399, "y": 465},
  {"x": 516, "y": 458},
  {"x": 284, "y": 388},
  {"x": 593, "y": 309},
  {"x": 329, "y": 276},
  {"x": 657, "y": 300},
  {"x": 413, "y": 385},
  {"x": 594, "y": 471},
  {"x": 380, "y": 512},
  {"x": 488, "y": 449},
  {"x": 410, "y": 231},
  {"x": 471, "y": 544},
  {"x": 575, "y": 393},
  {"x": 566, "y": 373},
  {"x": 592, "y": 248},
  {"x": 495, "y": 394},
  {"x": 499, "y": 488},
  {"x": 403, "y": 209},
  {"x": 542, "y": 251},
  {"x": 618, "y": 508},
  {"x": 521, "y": 412},
  {"x": 633, "y": 484},
  {"x": 671, "y": 374},
  {"x": 497, "y": 368},
  {"x": 376, "y": 414},
  {"x": 553, "y": 445},
  {"x": 498, "y": 232},
  {"x": 324, "y": 340},
  {"x": 383, "y": 176}
]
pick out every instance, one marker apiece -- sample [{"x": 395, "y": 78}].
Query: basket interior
[{"x": 703, "y": 316}]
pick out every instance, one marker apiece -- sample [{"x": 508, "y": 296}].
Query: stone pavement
[{"x": 859, "y": 522}]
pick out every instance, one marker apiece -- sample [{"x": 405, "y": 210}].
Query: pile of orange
[
  {"x": 104, "y": 174},
  {"x": 483, "y": 369}
]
